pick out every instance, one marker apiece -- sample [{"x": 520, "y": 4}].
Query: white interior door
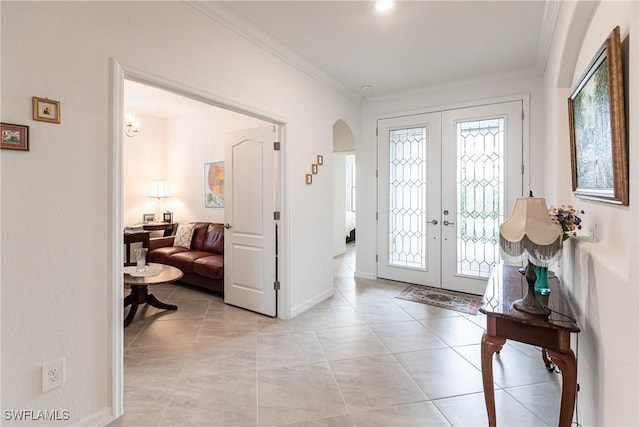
[
  {"x": 409, "y": 199},
  {"x": 446, "y": 180},
  {"x": 250, "y": 242},
  {"x": 482, "y": 148}
]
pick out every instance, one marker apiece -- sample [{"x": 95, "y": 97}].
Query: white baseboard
[
  {"x": 100, "y": 418},
  {"x": 310, "y": 303}
]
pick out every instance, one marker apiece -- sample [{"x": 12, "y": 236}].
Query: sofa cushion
[
  {"x": 199, "y": 235},
  {"x": 162, "y": 255},
  {"x": 184, "y": 260},
  {"x": 210, "y": 266},
  {"x": 214, "y": 239},
  {"x": 183, "y": 236}
]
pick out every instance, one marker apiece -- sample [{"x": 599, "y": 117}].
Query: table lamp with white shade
[
  {"x": 159, "y": 190},
  {"x": 529, "y": 233}
]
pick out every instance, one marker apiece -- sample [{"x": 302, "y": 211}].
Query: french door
[{"x": 446, "y": 180}]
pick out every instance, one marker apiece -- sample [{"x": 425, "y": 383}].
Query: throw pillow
[{"x": 184, "y": 233}]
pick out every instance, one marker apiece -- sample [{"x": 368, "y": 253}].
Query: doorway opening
[{"x": 344, "y": 191}]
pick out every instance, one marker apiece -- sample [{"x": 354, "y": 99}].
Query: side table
[{"x": 552, "y": 334}]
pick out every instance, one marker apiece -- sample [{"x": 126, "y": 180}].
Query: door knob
[
  {"x": 445, "y": 222},
  {"x": 434, "y": 222},
  {"x": 227, "y": 225}
]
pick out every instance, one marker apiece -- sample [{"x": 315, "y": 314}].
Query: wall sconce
[{"x": 131, "y": 125}]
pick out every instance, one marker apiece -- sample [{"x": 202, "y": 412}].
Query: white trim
[
  {"x": 118, "y": 73},
  {"x": 312, "y": 302},
  {"x": 115, "y": 259},
  {"x": 547, "y": 31},
  {"x": 256, "y": 36},
  {"x": 100, "y": 418}
]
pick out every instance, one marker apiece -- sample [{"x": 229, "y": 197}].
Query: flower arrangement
[{"x": 567, "y": 217}]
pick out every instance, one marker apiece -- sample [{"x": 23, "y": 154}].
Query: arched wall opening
[{"x": 343, "y": 186}]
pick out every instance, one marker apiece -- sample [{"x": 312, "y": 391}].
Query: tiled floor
[{"x": 361, "y": 358}]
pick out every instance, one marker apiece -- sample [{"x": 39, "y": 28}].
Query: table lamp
[
  {"x": 530, "y": 233},
  {"x": 159, "y": 191}
]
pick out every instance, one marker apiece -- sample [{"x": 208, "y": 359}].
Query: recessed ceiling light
[{"x": 384, "y": 5}]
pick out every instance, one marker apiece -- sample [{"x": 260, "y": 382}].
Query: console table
[{"x": 552, "y": 334}]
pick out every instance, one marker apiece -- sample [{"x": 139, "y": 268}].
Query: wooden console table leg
[
  {"x": 566, "y": 362},
  {"x": 488, "y": 347}
]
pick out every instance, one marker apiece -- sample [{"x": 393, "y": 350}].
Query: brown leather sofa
[{"x": 202, "y": 264}]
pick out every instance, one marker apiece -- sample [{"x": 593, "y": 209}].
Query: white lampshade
[
  {"x": 159, "y": 189},
  {"x": 530, "y": 232}
]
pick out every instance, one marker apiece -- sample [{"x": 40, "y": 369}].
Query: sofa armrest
[{"x": 160, "y": 242}]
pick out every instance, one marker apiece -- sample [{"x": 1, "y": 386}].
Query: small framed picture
[
  {"x": 314, "y": 169},
  {"x": 46, "y": 110},
  {"x": 15, "y": 137},
  {"x": 320, "y": 160},
  {"x": 308, "y": 178},
  {"x": 148, "y": 217},
  {"x": 167, "y": 217}
]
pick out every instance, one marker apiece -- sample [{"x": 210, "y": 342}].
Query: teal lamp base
[{"x": 542, "y": 280}]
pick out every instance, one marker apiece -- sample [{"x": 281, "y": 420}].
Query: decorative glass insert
[
  {"x": 407, "y": 197},
  {"x": 480, "y": 194}
]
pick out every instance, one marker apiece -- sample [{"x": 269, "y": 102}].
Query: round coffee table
[{"x": 139, "y": 288}]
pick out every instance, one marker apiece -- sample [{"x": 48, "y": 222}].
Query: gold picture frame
[
  {"x": 46, "y": 110},
  {"x": 599, "y": 159},
  {"x": 14, "y": 137},
  {"x": 314, "y": 168}
]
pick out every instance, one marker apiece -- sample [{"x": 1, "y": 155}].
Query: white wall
[
  {"x": 601, "y": 277},
  {"x": 144, "y": 159},
  {"x": 434, "y": 99},
  {"x": 55, "y": 199}
]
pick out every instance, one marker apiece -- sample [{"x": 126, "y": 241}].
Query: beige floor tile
[
  {"x": 470, "y": 410},
  {"x": 269, "y": 325},
  {"x": 208, "y": 356},
  {"x": 337, "y": 421},
  {"x": 375, "y": 382},
  {"x": 297, "y": 393},
  {"x": 441, "y": 372},
  {"x": 512, "y": 368},
  {"x": 162, "y": 332},
  {"x": 382, "y": 312},
  {"x": 421, "y": 311},
  {"x": 455, "y": 331},
  {"x": 334, "y": 317},
  {"x": 227, "y": 399},
  {"x": 541, "y": 399},
  {"x": 400, "y": 337},
  {"x": 422, "y": 414},
  {"x": 350, "y": 342},
  {"x": 294, "y": 348}
]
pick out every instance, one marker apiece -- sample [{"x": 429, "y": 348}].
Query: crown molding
[
  {"x": 256, "y": 36},
  {"x": 547, "y": 31}
]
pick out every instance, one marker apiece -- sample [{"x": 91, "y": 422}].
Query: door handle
[
  {"x": 445, "y": 222},
  {"x": 227, "y": 225},
  {"x": 434, "y": 222}
]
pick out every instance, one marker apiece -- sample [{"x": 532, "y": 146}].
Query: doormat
[{"x": 458, "y": 301}]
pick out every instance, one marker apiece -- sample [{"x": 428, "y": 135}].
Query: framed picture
[
  {"x": 314, "y": 169},
  {"x": 14, "y": 137},
  {"x": 320, "y": 160},
  {"x": 148, "y": 217},
  {"x": 167, "y": 217},
  {"x": 214, "y": 185},
  {"x": 308, "y": 179},
  {"x": 599, "y": 162},
  {"x": 46, "y": 110}
]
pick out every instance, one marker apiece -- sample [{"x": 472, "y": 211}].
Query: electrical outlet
[{"x": 52, "y": 375}]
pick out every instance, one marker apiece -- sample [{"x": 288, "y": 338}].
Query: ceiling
[
  {"x": 418, "y": 44},
  {"x": 348, "y": 45}
]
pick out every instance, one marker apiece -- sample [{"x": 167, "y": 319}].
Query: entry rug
[{"x": 458, "y": 301}]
